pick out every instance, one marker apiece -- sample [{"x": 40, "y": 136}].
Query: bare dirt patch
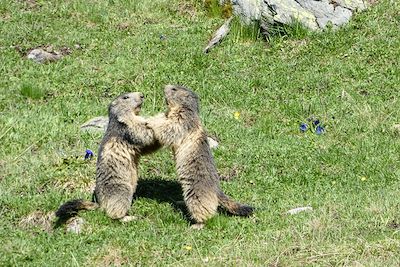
[{"x": 38, "y": 219}]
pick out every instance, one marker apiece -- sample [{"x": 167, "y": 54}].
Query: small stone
[
  {"x": 128, "y": 218},
  {"x": 40, "y": 56},
  {"x": 197, "y": 226},
  {"x": 298, "y": 210},
  {"x": 98, "y": 124},
  {"x": 74, "y": 225},
  {"x": 396, "y": 129},
  {"x": 218, "y": 35},
  {"x": 212, "y": 143}
]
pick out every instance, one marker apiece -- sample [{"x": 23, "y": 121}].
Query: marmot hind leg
[
  {"x": 117, "y": 200},
  {"x": 201, "y": 204},
  {"x": 116, "y": 207}
]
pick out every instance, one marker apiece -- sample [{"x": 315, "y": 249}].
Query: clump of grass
[
  {"x": 30, "y": 91},
  {"x": 227, "y": 9},
  {"x": 214, "y": 9},
  {"x": 242, "y": 31},
  {"x": 294, "y": 30}
]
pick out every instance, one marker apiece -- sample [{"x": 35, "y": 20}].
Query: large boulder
[
  {"x": 285, "y": 12},
  {"x": 247, "y": 10},
  {"x": 313, "y": 14}
]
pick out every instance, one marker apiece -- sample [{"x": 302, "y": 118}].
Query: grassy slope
[{"x": 348, "y": 78}]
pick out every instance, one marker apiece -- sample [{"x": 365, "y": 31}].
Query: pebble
[
  {"x": 298, "y": 210},
  {"x": 74, "y": 225},
  {"x": 41, "y": 56}
]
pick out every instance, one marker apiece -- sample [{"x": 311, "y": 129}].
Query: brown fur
[
  {"x": 180, "y": 128},
  {"x": 127, "y": 137}
]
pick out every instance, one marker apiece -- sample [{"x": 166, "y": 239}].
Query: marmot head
[
  {"x": 126, "y": 104},
  {"x": 180, "y": 97}
]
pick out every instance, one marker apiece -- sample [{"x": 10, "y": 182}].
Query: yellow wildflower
[{"x": 236, "y": 114}]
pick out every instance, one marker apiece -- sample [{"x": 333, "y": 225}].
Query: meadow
[{"x": 254, "y": 93}]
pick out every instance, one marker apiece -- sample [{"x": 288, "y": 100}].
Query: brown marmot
[
  {"x": 127, "y": 138},
  {"x": 180, "y": 128}
]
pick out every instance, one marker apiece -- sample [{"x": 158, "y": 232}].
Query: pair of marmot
[{"x": 129, "y": 136}]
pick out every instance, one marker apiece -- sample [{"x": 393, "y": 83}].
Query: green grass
[
  {"x": 349, "y": 79},
  {"x": 28, "y": 90}
]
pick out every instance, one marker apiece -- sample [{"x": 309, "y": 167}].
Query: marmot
[
  {"x": 180, "y": 128},
  {"x": 127, "y": 138}
]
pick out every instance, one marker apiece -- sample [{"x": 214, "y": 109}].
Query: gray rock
[
  {"x": 95, "y": 124},
  {"x": 326, "y": 12},
  {"x": 41, "y": 56},
  {"x": 247, "y": 10},
  {"x": 212, "y": 143},
  {"x": 218, "y": 35},
  {"x": 286, "y": 12},
  {"x": 356, "y": 5},
  {"x": 74, "y": 225},
  {"x": 313, "y": 14},
  {"x": 298, "y": 210}
]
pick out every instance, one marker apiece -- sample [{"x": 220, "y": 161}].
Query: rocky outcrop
[
  {"x": 248, "y": 10},
  {"x": 313, "y": 14}
]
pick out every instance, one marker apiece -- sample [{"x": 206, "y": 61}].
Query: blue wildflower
[
  {"x": 316, "y": 122},
  {"x": 319, "y": 130},
  {"x": 89, "y": 154},
  {"x": 303, "y": 127},
  {"x": 162, "y": 37}
]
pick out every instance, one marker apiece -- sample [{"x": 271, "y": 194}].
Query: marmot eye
[
  {"x": 173, "y": 89},
  {"x": 125, "y": 97}
]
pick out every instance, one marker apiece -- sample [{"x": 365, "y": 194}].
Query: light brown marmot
[
  {"x": 180, "y": 128},
  {"x": 127, "y": 138}
]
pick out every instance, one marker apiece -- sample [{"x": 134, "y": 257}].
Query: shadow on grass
[{"x": 163, "y": 191}]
